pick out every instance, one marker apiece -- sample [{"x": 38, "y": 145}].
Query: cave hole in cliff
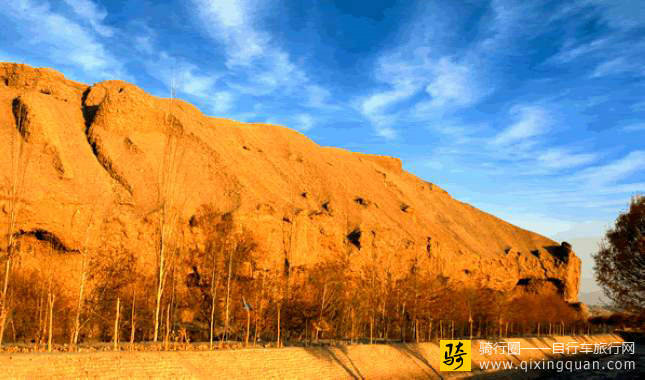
[
  {"x": 535, "y": 253},
  {"x": 524, "y": 281},
  {"x": 325, "y": 206},
  {"x": 404, "y": 207},
  {"x": 354, "y": 237},
  {"x": 303, "y": 194},
  {"x": 361, "y": 201},
  {"x": 557, "y": 283},
  {"x": 89, "y": 112},
  {"x": 45, "y": 91},
  {"x": 287, "y": 267},
  {"x": 47, "y": 237},
  {"x": 20, "y": 115},
  {"x": 560, "y": 252}
]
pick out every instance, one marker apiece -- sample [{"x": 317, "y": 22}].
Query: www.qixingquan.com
[
  {"x": 456, "y": 356},
  {"x": 560, "y": 365}
]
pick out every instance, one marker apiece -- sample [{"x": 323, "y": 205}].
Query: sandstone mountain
[{"x": 102, "y": 152}]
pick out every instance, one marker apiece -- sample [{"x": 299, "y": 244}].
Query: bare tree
[
  {"x": 116, "y": 324},
  {"x": 19, "y": 160},
  {"x": 168, "y": 211},
  {"x": 84, "y": 251}
]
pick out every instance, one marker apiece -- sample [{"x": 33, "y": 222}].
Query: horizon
[{"x": 468, "y": 96}]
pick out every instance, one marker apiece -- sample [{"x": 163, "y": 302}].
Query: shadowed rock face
[{"x": 96, "y": 153}]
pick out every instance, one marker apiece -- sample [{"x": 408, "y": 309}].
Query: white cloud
[
  {"x": 584, "y": 229},
  {"x": 531, "y": 121},
  {"x": 4, "y": 57},
  {"x": 386, "y": 132},
  {"x": 61, "y": 39},
  {"x": 542, "y": 224},
  {"x": 615, "y": 66},
  {"x": 448, "y": 85},
  {"x": 222, "y": 102},
  {"x": 319, "y": 97},
  {"x": 185, "y": 76},
  {"x": 93, "y": 14},
  {"x": 452, "y": 83},
  {"x": 559, "y": 158},
  {"x": 192, "y": 83},
  {"x": 401, "y": 77},
  {"x": 634, "y": 127},
  {"x": 232, "y": 23},
  {"x": 614, "y": 171},
  {"x": 145, "y": 44},
  {"x": 638, "y": 106},
  {"x": 569, "y": 53},
  {"x": 256, "y": 64},
  {"x": 510, "y": 20},
  {"x": 303, "y": 122},
  {"x": 373, "y": 105},
  {"x": 620, "y": 14}
]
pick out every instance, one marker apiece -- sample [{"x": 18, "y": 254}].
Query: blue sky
[{"x": 531, "y": 110}]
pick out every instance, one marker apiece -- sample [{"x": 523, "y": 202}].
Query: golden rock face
[{"x": 102, "y": 157}]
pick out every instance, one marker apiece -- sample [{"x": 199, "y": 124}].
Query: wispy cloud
[
  {"x": 453, "y": 84},
  {"x": 616, "y": 66},
  {"x": 445, "y": 85},
  {"x": 615, "y": 171},
  {"x": 530, "y": 121},
  {"x": 570, "y": 51},
  {"x": 186, "y": 77},
  {"x": 301, "y": 121},
  {"x": 256, "y": 64},
  {"x": 222, "y": 102},
  {"x": 304, "y": 122},
  {"x": 233, "y": 24},
  {"x": 634, "y": 127},
  {"x": 93, "y": 14},
  {"x": 560, "y": 158},
  {"x": 65, "y": 42},
  {"x": 620, "y": 14}
]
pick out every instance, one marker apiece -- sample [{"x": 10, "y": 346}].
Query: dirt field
[{"x": 344, "y": 362}]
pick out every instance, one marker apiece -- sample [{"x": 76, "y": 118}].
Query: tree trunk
[
  {"x": 4, "y": 310},
  {"x": 160, "y": 283},
  {"x": 258, "y": 314},
  {"x": 79, "y": 305},
  {"x": 167, "y": 336},
  {"x": 132, "y": 321},
  {"x": 248, "y": 326},
  {"x": 52, "y": 299},
  {"x": 228, "y": 293},
  {"x": 116, "y": 323},
  {"x": 213, "y": 301},
  {"x": 278, "y": 340}
]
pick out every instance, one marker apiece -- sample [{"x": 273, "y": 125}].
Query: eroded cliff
[{"x": 103, "y": 151}]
